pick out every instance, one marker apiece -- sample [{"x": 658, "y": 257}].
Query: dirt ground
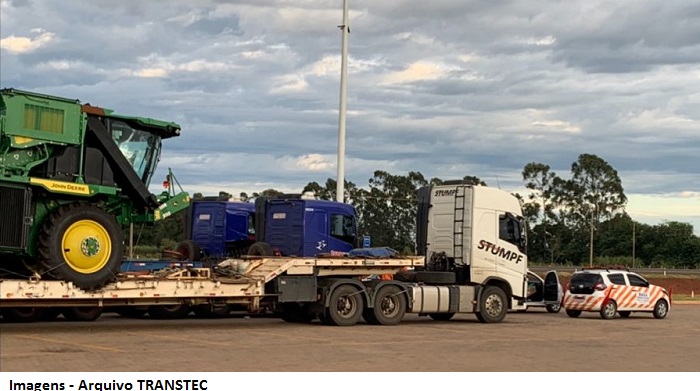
[{"x": 534, "y": 341}]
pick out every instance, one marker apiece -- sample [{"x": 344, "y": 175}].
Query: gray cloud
[{"x": 442, "y": 87}]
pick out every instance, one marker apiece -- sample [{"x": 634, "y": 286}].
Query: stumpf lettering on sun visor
[{"x": 500, "y": 251}]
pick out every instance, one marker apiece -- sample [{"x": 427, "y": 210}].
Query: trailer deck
[{"x": 233, "y": 281}]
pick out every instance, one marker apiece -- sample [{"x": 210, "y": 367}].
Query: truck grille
[{"x": 15, "y": 205}]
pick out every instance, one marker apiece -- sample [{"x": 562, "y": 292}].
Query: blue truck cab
[
  {"x": 306, "y": 228},
  {"x": 219, "y": 229}
]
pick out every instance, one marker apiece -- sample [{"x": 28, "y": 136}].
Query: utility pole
[
  {"x": 345, "y": 30},
  {"x": 634, "y": 237},
  {"x": 590, "y": 256}
]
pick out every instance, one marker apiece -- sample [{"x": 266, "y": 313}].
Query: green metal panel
[{"x": 29, "y": 116}]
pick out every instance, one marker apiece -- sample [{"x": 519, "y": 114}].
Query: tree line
[{"x": 570, "y": 221}]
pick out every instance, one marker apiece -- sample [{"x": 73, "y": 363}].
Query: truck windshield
[{"x": 139, "y": 147}]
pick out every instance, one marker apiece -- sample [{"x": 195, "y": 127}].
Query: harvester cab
[{"x": 71, "y": 176}]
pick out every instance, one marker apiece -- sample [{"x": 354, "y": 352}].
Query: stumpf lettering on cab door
[{"x": 500, "y": 252}]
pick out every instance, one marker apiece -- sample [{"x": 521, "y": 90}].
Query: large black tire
[
  {"x": 131, "y": 311},
  {"x": 345, "y": 307},
  {"x": 436, "y": 277},
  {"x": 261, "y": 249},
  {"x": 609, "y": 310},
  {"x": 174, "y": 311},
  {"x": 493, "y": 305},
  {"x": 443, "y": 316},
  {"x": 389, "y": 306},
  {"x": 189, "y": 250},
  {"x": 22, "y": 314},
  {"x": 661, "y": 309},
  {"x": 573, "y": 313},
  {"x": 82, "y": 314},
  {"x": 212, "y": 310},
  {"x": 296, "y": 313},
  {"x": 50, "y": 314},
  {"x": 81, "y": 243}
]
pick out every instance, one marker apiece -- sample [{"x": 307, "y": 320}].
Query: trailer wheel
[
  {"x": 82, "y": 314},
  {"x": 22, "y": 314},
  {"x": 212, "y": 310},
  {"x": 129, "y": 311},
  {"x": 81, "y": 243},
  {"x": 389, "y": 306},
  {"x": 493, "y": 305},
  {"x": 443, "y": 316},
  {"x": 189, "y": 250},
  {"x": 345, "y": 308},
  {"x": 175, "y": 311},
  {"x": 296, "y": 313},
  {"x": 50, "y": 314},
  {"x": 261, "y": 249}
]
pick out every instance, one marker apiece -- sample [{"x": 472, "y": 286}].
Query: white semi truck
[{"x": 472, "y": 259}]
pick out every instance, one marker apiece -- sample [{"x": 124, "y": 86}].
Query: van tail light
[{"x": 600, "y": 286}]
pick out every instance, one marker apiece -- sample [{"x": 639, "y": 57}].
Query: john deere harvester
[{"x": 71, "y": 177}]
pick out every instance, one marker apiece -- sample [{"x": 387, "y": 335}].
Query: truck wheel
[
  {"x": 389, "y": 305},
  {"x": 661, "y": 309},
  {"x": 81, "y": 243},
  {"x": 345, "y": 308},
  {"x": 22, "y": 314},
  {"x": 82, "y": 314},
  {"x": 609, "y": 310},
  {"x": 296, "y": 313},
  {"x": 175, "y": 311},
  {"x": 443, "y": 316},
  {"x": 261, "y": 249},
  {"x": 573, "y": 313},
  {"x": 212, "y": 310},
  {"x": 492, "y": 306},
  {"x": 189, "y": 250}
]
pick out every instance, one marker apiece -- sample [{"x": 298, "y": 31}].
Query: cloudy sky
[{"x": 445, "y": 87}]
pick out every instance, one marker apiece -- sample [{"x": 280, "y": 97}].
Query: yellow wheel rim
[{"x": 86, "y": 246}]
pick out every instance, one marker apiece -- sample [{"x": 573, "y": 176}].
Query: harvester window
[{"x": 136, "y": 145}]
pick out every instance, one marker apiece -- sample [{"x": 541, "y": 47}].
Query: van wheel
[
  {"x": 661, "y": 309},
  {"x": 609, "y": 310},
  {"x": 553, "y": 308},
  {"x": 573, "y": 313}
]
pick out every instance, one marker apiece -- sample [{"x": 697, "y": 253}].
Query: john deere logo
[{"x": 90, "y": 246}]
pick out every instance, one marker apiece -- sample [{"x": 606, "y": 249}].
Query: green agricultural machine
[{"x": 72, "y": 176}]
